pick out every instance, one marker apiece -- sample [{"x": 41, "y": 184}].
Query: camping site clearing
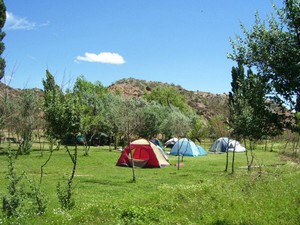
[{"x": 198, "y": 192}]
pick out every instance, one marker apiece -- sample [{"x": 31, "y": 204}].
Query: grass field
[{"x": 200, "y": 192}]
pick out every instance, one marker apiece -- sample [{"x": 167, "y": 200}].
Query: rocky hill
[
  {"x": 205, "y": 104},
  {"x": 16, "y": 92},
  {"x": 4, "y": 89}
]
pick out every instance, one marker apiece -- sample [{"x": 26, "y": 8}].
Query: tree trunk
[
  {"x": 247, "y": 156},
  {"x": 227, "y": 156},
  {"x": 130, "y": 152},
  {"x": 233, "y": 158},
  {"x": 70, "y": 181},
  {"x": 250, "y": 162}
]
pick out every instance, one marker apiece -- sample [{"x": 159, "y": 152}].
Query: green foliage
[
  {"x": 22, "y": 198},
  {"x": 54, "y": 108},
  {"x": 292, "y": 18},
  {"x": 127, "y": 114},
  {"x": 61, "y": 112},
  {"x": 198, "y": 129},
  {"x": 8, "y": 110},
  {"x": 12, "y": 202},
  {"x": 218, "y": 127},
  {"x": 2, "y": 35},
  {"x": 168, "y": 96},
  {"x": 272, "y": 49},
  {"x": 135, "y": 116},
  {"x": 298, "y": 119},
  {"x": 176, "y": 124},
  {"x": 139, "y": 215},
  {"x": 63, "y": 117},
  {"x": 62, "y": 191},
  {"x": 25, "y": 120},
  {"x": 39, "y": 202},
  {"x": 152, "y": 116},
  {"x": 91, "y": 107},
  {"x": 252, "y": 115}
]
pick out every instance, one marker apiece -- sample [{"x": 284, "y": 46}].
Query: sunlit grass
[{"x": 199, "y": 192}]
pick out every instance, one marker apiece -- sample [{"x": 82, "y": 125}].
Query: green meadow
[{"x": 198, "y": 192}]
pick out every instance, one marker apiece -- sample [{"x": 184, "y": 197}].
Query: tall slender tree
[
  {"x": 272, "y": 48},
  {"x": 2, "y": 35},
  {"x": 252, "y": 115},
  {"x": 62, "y": 117}
]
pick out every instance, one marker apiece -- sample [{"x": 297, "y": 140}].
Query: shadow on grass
[
  {"x": 102, "y": 182},
  {"x": 3, "y": 152}
]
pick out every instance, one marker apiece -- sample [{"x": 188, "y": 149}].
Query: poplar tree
[
  {"x": 2, "y": 35},
  {"x": 252, "y": 115},
  {"x": 272, "y": 48}
]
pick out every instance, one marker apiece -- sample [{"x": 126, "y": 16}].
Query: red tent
[{"x": 144, "y": 154}]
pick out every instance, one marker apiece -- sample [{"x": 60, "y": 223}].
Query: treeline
[{"x": 90, "y": 109}]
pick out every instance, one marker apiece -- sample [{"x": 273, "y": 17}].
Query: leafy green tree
[
  {"x": 12, "y": 202},
  {"x": 62, "y": 117},
  {"x": 60, "y": 109},
  {"x": 292, "y": 17},
  {"x": 8, "y": 108},
  {"x": 91, "y": 109},
  {"x": 112, "y": 108},
  {"x": 25, "y": 121},
  {"x": 169, "y": 96},
  {"x": 53, "y": 108},
  {"x": 252, "y": 115},
  {"x": 2, "y": 35},
  {"x": 250, "y": 106},
  {"x": 152, "y": 116},
  {"x": 198, "y": 129},
  {"x": 176, "y": 124},
  {"x": 272, "y": 48},
  {"x": 218, "y": 127},
  {"x": 127, "y": 116}
]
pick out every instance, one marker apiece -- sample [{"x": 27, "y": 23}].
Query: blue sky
[{"x": 184, "y": 42}]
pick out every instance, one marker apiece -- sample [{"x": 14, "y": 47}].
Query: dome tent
[
  {"x": 171, "y": 142},
  {"x": 144, "y": 154},
  {"x": 187, "y": 147},
  {"x": 225, "y": 144}
]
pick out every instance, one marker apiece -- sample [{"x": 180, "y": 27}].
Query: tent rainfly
[
  {"x": 157, "y": 143},
  {"x": 187, "y": 147}
]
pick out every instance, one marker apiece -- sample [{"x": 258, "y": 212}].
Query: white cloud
[
  {"x": 14, "y": 22},
  {"x": 103, "y": 57}
]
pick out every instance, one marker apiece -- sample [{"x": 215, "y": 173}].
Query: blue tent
[
  {"x": 187, "y": 147},
  {"x": 157, "y": 142},
  {"x": 225, "y": 144}
]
